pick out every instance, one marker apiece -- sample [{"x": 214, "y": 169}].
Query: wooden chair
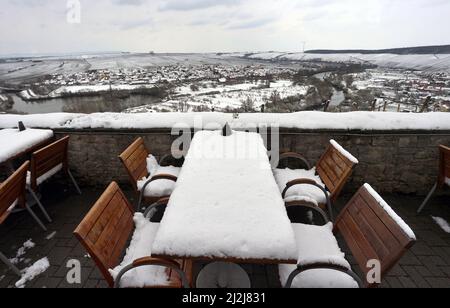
[
  {"x": 371, "y": 230},
  {"x": 47, "y": 162},
  {"x": 12, "y": 194},
  {"x": 134, "y": 158},
  {"x": 332, "y": 172},
  {"x": 444, "y": 175},
  {"x": 105, "y": 231}
]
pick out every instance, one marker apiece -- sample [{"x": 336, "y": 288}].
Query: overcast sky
[{"x": 41, "y": 26}]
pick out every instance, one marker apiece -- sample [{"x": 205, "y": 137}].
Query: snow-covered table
[
  {"x": 226, "y": 205},
  {"x": 14, "y": 143}
]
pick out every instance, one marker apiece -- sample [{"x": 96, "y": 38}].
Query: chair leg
[
  {"x": 10, "y": 265},
  {"x": 39, "y": 222},
  {"x": 74, "y": 182},
  {"x": 427, "y": 199},
  {"x": 39, "y": 204}
]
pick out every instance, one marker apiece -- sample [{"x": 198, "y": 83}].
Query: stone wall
[{"x": 404, "y": 162}]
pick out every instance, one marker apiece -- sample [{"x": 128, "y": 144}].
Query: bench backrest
[
  {"x": 13, "y": 189},
  {"x": 444, "y": 164},
  {"x": 334, "y": 169},
  {"x": 372, "y": 233},
  {"x": 49, "y": 157},
  {"x": 106, "y": 229},
  {"x": 134, "y": 158}
]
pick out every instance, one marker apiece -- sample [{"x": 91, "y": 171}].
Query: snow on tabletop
[
  {"x": 391, "y": 212},
  {"x": 300, "y": 192},
  {"x": 45, "y": 176},
  {"x": 158, "y": 188},
  {"x": 140, "y": 246},
  {"x": 33, "y": 271},
  {"x": 344, "y": 152},
  {"x": 317, "y": 279},
  {"x": 226, "y": 203},
  {"x": 442, "y": 223},
  {"x": 361, "y": 120},
  {"x": 13, "y": 141}
]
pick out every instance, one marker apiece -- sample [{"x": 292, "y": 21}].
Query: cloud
[{"x": 189, "y": 5}]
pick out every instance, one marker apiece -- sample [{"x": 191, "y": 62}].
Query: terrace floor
[{"x": 426, "y": 265}]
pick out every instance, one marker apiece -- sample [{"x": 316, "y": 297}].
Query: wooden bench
[
  {"x": 45, "y": 163},
  {"x": 372, "y": 231},
  {"x": 134, "y": 159},
  {"x": 105, "y": 232},
  {"x": 12, "y": 194},
  {"x": 443, "y": 177},
  {"x": 333, "y": 168}
]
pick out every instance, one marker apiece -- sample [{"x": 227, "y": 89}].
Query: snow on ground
[
  {"x": 33, "y": 271},
  {"x": 96, "y": 88},
  {"x": 221, "y": 96},
  {"x": 51, "y": 236},
  {"x": 301, "y": 120},
  {"x": 428, "y": 62},
  {"x": 22, "y": 251},
  {"x": 442, "y": 223}
]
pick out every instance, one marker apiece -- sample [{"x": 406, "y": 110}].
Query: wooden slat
[
  {"x": 334, "y": 169},
  {"x": 13, "y": 189},
  {"x": 134, "y": 158},
  {"x": 371, "y": 233}
]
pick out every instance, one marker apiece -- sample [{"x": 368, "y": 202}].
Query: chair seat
[
  {"x": 160, "y": 188},
  {"x": 45, "y": 176},
  {"x": 140, "y": 246},
  {"x": 317, "y": 279},
  {"x": 307, "y": 193},
  {"x": 317, "y": 244}
]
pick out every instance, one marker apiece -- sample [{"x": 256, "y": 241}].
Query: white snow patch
[
  {"x": 442, "y": 223},
  {"x": 391, "y": 212},
  {"x": 158, "y": 188},
  {"x": 22, "y": 251},
  {"x": 140, "y": 247},
  {"x": 344, "y": 152},
  {"x": 45, "y": 176},
  {"x": 14, "y": 142},
  {"x": 226, "y": 203},
  {"x": 33, "y": 271},
  {"x": 51, "y": 236},
  {"x": 300, "y": 192},
  {"x": 447, "y": 181}
]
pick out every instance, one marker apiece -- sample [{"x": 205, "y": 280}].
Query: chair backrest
[
  {"x": 134, "y": 158},
  {"x": 13, "y": 189},
  {"x": 49, "y": 157},
  {"x": 373, "y": 231},
  {"x": 334, "y": 168},
  {"x": 444, "y": 164},
  {"x": 106, "y": 229}
]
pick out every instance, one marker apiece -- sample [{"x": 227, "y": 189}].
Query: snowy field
[{"x": 430, "y": 63}]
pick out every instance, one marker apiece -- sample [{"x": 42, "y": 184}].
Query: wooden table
[
  {"x": 14, "y": 144},
  {"x": 226, "y": 205}
]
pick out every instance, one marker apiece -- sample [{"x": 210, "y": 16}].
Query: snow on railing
[{"x": 308, "y": 120}]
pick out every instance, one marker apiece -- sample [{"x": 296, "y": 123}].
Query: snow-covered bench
[
  {"x": 319, "y": 186},
  {"x": 150, "y": 180},
  {"x": 45, "y": 163},
  {"x": 444, "y": 174},
  {"x": 12, "y": 194},
  {"x": 372, "y": 231},
  {"x": 104, "y": 233}
]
